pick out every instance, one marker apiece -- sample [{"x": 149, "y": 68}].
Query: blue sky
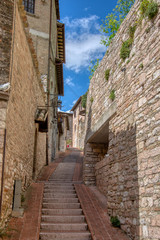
[{"x": 82, "y": 20}]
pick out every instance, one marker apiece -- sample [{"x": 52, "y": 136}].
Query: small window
[
  {"x": 74, "y": 113},
  {"x": 29, "y": 5}
]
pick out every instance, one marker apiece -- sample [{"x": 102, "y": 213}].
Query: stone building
[
  {"x": 64, "y": 131},
  {"x": 122, "y": 151},
  {"x": 31, "y": 78},
  {"x": 78, "y": 133}
]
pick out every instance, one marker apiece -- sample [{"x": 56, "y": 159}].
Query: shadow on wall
[{"x": 117, "y": 179}]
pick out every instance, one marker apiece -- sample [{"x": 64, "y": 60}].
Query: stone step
[
  {"x": 51, "y": 186},
  {"x": 64, "y": 226},
  {"x": 61, "y": 181},
  {"x": 58, "y": 191},
  {"x": 52, "y": 212},
  {"x": 63, "y": 219},
  {"x": 60, "y": 200},
  {"x": 61, "y": 205},
  {"x": 60, "y": 195},
  {"x": 44, "y": 235}
]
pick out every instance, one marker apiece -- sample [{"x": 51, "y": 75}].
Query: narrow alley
[{"x": 60, "y": 206}]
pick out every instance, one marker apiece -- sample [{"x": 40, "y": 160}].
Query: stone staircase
[{"x": 62, "y": 216}]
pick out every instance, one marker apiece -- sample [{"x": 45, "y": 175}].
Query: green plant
[
  {"x": 107, "y": 73},
  {"x": 148, "y": 30},
  {"x": 128, "y": 61},
  {"x": 84, "y": 100},
  {"x": 132, "y": 30},
  {"x": 141, "y": 66},
  {"x": 22, "y": 198},
  {"x": 93, "y": 67},
  {"x": 126, "y": 49},
  {"x": 143, "y": 7},
  {"x": 114, "y": 19},
  {"x": 148, "y": 9},
  {"x": 115, "y": 221},
  {"x": 112, "y": 95},
  {"x": 91, "y": 99},
  {"x": 152, "y": 10}
]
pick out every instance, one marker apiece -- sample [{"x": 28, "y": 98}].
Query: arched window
[{"x": 29, "y": 5}]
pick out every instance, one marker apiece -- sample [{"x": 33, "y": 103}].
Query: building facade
[
  {"x": 122, "y": 150},
  {"x": 32, "y": 45},
  {"x": 64, "y": 131},
  {"x": 78, "y": 134}
]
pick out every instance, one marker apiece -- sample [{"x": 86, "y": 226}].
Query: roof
[
  {"x": 57, "y": 9},
  {"x": 61, "y": 41},
  {"x": 65, "y": 113},
  {"x": 76, "y": 104},
  {"x": 59, "y": 73}
]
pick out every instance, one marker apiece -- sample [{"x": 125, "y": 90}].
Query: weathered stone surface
[{"x": 128, "y": 173}]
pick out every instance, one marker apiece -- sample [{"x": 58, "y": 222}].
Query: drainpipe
[
  {"x": 2, "y": 177},
  {"x": 48, "y": 79}
]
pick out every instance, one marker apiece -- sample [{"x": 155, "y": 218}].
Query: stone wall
[
  {"x": 6, "y": 17},
  {"x": 78, "y": 133},
  {"x": 129, "y": 174},
  {"x": 69, "y": 132},
  {"x": 25, "y": 96},
  {"x": 65, "y": 138}
]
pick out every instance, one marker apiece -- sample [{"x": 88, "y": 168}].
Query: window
[
  {"x": 75, "y": 113},
  {"x": 29, "y": 5}
]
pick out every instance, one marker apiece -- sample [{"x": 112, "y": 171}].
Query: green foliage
[
  {"x": 152, "y": 10},
  {"x": 148, "y": 30},
  {"x": 132, "y": 30},
  {"x": 112, "y": 95},
  {"x": 126, "y": 49},
  {"x": 143, "y": 7},
  {"x": 115, "y": 221},
  {"x": 22, "y": 198},
  {"x": 84, "y": 100},
  {"x": 107, "y": 73},
  {"x": 114, "y": 19},
  {"x": 141, "y": 66},
  {"x": 93, "y": 67},
  {"x": 148, "y": 9},
  {"x": 128, "y": 61},
  {"x": 126, "y": 46},
  {"x": 91, "y": 99}
]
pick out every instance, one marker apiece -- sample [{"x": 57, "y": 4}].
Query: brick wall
[
  {"x": 6, "y": 22},
  {"x": 129, "y": 174},
  {"x": 25, "y": 96},
  {"x": 39, "y": 24}
]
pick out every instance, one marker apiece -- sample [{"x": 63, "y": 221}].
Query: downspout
[{"x": 48, "y": 80}]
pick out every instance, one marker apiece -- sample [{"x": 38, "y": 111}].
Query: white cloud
[
  {"x": 81, "y": 50},
  {"x": 84, "y": 23},
  {"x": 82, "y": 42},
  {"x": 69, "y": 82}
]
